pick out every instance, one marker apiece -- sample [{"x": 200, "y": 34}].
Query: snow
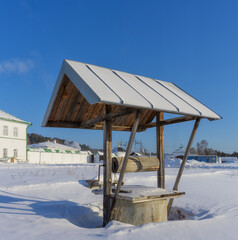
[
  {"x": 8, "y": 116},
  {"x": 52, "y": 145},
  {"x": 72, "y": 144},
  {"x": 52, "y": 202},
  {"x": 139, "y": 191}
]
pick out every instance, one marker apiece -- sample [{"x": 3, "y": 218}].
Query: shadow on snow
[{"x": 81, "y": 216}]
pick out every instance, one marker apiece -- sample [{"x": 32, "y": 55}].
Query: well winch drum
[{"x": 136, "y": 164}]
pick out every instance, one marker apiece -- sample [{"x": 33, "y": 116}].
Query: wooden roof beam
[
  {"x": 170, "y": 121},
  {"x": 91, "y": 122}
]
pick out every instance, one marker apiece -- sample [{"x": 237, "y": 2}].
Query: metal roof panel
[
  {"x": 98, "y": 84},
  {"x": 121, "y": 88},
  {"x": 179, "y": 103},
  {"x": 149, "y": 94},
  {"x": 205, "y": 111},
  {"x": 93, "y": 82}
]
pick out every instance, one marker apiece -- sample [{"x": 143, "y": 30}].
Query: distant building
[
  {"x": 13, "y": 138},
  {"x": 55, "y": 153},
  {"x": 205, "y": 158},
  {"x": 98, "y": 157},
  {"x": 179, "y": 153},
  {"x": 229, "y": 159},
  {"x": 118, "y": 151}
]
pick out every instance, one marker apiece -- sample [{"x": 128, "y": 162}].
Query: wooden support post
[
  {"x": 184, "y": 160},
  {"x": 107, "y": 179},
  {"x": 128, "y": 151},
  {"x": 160, "y": 150}
]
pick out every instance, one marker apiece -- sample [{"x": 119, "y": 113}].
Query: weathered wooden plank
[
  {"x": 59, "y": 96},
  {"x": 96, "y": 110},
  {"x": 93, "y": 127},
  {"x": 121, "y": 121},
  {"x": 73, "y": 92},
  {"x": 81, "y": 111},
  {"x": 87, "y": 113},
  {"x": 151, "y": 117},
  {"x": 107, "y": 180},
  {"x": 64, "y": 100},
  {"x": 190, "y": 142},
  {"x": 114, "y": 128},
  {"x": 144, "y": 117},
  {"x": 73, "y": 105},
  {"x": 72, "y": 115},
  {"x": 132, "y": 120}
]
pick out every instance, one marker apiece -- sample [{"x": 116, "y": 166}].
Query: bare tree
[
  {"x": 193, "y": 151},
  {"x": 202, "y": 147}
]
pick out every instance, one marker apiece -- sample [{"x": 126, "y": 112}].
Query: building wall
[
  {"x": 98, "y": 158},
  {"x": 11, "y": 142},
  {"x": 204, "y": 158},
  {"x": 228, "y": 159},
  {"x": 57, "y": 158}
]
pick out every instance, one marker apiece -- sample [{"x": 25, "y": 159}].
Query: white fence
[{"x": 57, "y": 158}]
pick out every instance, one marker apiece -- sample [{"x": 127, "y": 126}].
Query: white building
[
  {"x": 179, "y": 152},
  {"x": 13, "y": 138},
  {"x": 98, "y": 157},
  {"x": 55, "y": 153}
]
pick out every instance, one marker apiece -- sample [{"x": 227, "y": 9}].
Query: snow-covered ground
[{"x": 52, "y": 202}]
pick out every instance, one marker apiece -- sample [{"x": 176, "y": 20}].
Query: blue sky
[{"x": 191, "y": 43}]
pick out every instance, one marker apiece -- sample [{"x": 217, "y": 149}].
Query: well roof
[{"x": 82, "y": 89}]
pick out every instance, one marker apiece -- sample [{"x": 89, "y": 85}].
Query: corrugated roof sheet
[{"x": 103, "y": 85}]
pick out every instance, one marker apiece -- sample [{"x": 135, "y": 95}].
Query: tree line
[{"x": 203, "y": 149}]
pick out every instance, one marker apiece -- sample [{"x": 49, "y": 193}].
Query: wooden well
[
  {"x": 90, "y": 97},
  {"x": 138, "y": 205}
]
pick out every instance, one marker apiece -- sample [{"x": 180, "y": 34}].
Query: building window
[
  {"x": 5, "y": 130},
  {"x": 15, "y": 153},
  {"x": 5, "y": 153},
  {"x": 15, "y": 132}
]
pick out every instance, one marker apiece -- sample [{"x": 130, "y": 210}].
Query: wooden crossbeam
[
  {"x": 91, "y": 122},
  {"x": 114, "y": 128},
  {"x": 170, "y": 121}
]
